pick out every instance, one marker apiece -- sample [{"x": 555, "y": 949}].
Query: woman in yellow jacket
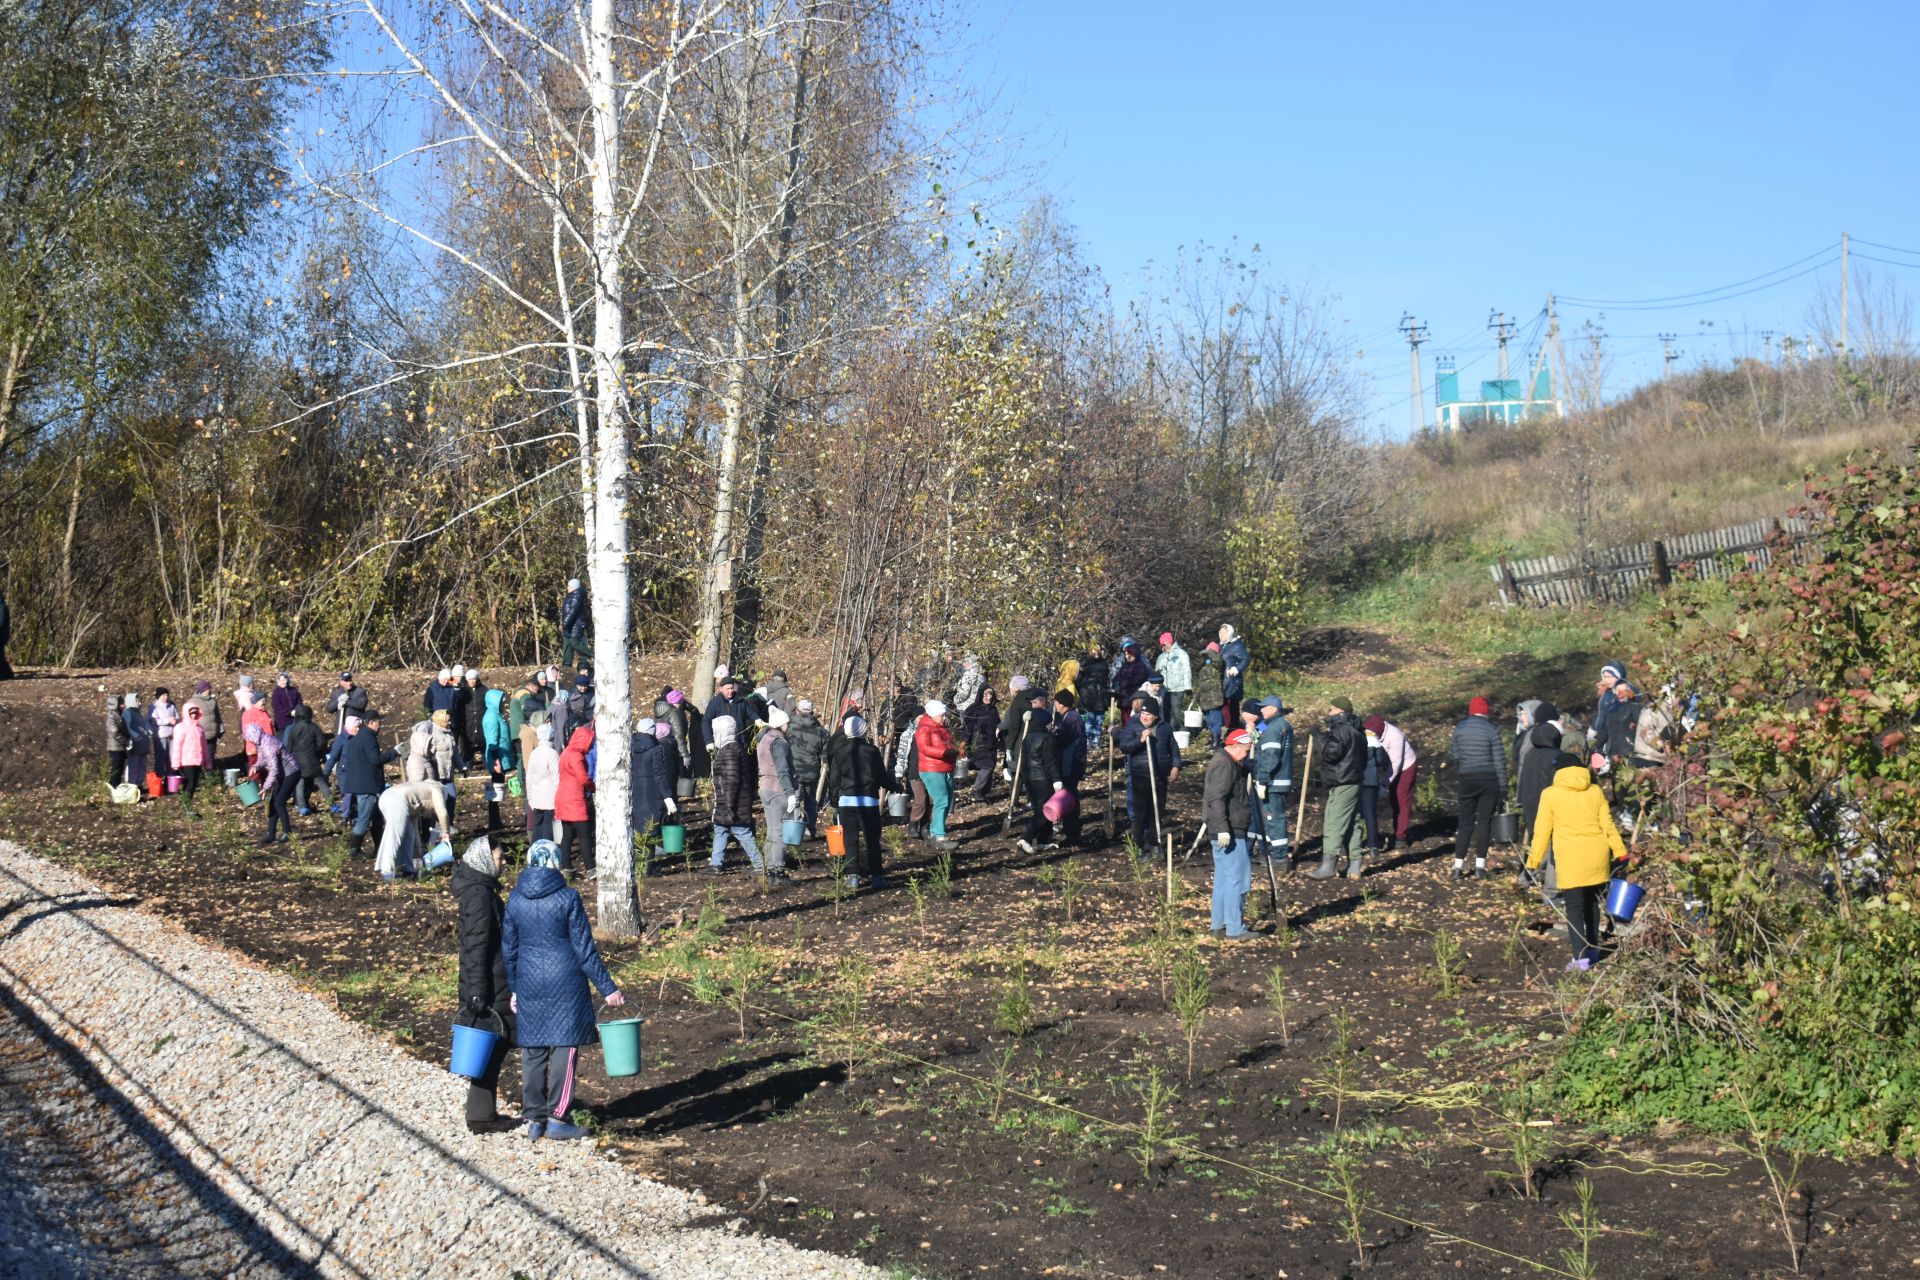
[{"x": 1574, "y": 821}]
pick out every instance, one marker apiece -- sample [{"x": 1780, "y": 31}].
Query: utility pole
[
  {"x": 1553, "y": 344},
  {"x": 1667, "y": 341},
  {"x": 1787, "y": 345},
  {"x": 1415, "y": 334},
  {"x": 1503, "y": 331},
  {"x": 1843, "y": 296}
]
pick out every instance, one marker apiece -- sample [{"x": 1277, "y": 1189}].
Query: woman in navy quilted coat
[{"x": 550, "y": 959}]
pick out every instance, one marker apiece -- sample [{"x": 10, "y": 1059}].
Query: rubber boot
[
  {"x": 353, "y": 845},
  {"x": 1325, "y": 871},
  {"x": 1357, "y": 867}
]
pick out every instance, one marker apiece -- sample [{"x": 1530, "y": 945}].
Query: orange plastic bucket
[
  {"x": 156, "y": 785},
  {"x": 836, "y": 842}
]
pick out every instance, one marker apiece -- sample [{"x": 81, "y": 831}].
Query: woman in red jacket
[
  {"x": 933, "y": 744},
  {"x": 571, "y": 807}
]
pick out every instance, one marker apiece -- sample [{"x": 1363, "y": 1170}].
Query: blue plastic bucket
[
  {"x": 439, "y": 856},
  {"x": 472, "y": 1050},
  {"x": 1623, "y": 899},
  {"x": 793, "y": 831}
]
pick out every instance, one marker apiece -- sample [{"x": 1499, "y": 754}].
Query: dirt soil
[{"x": 957, "y": 1138}]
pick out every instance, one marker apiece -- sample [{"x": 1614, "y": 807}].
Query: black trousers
[
  {"x": 577, "y": 836},
  {"x": 863, "y": 839},
  {"x": 1147, "y": 833},
  {"x": 277, "y": 806},
  {"x": 1480, "y": 795},
  {"x": 483, "y": 1092},
  {"x": 1039, "y": 830},
  {"x": 1582, "y": 906},
  {"x": 189, "y": 781},
  {"x": 546, "y": 1081},
  {"x": 1370, "y": 810},
  {"x": 117, "y": 765}
]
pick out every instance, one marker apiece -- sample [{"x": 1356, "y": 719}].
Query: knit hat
[
  {"x": 445, "y": 674},
  {"x": 573, "y": 584},
  {"x": 662, "y": 731},
  {"x": 1376, "y": 725},
  {"x": 246, "y": 682},
  {"x": 644, "y": 725},
  {"x": 1128, "y": 642},
  {"x": 203, "y": 686},
  {"x": 1544, "y": 712},
  {"x": 1478, "y": 707},
  {"x": 1213, "y": 646},
  {"x": 1343, "y": 703},
  {"x": 1016, "y": 684},
  {"x": 543, "y": 853},
  {"x": 675, "y": 697},
  {"x": 1156, "y": 678},
  {"x": 459, "y": 672},
  {"x": 854, "y": 726},
  {"x": 1239, "y": 738},
  {"x": 1166, "y": 638},
  {"x": 442, "y": 718},
  {"x": 1615, "y": 669},
  {"x": 936, "y": 708},
  {"x": 1150, "y": 704},
  {"x": 805, "y": 704},
  {"x": 777, "y": 719},
  {"x": 583, "y": 681}
]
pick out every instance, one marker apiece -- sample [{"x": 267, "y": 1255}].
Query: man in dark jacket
[
  {"x": 574, "y": 625},
  {"x": 1343, "y": 765},
  {"x": 1153, "y": 766},
  {"x": 363, "y": 776},
  {"x": 473, "y": 716},
  {"x": 1039, "y": 772},
  {"x": 780, "y": 693},
  {"x": 347, "y": 699},
  {"x": 1225, "y": 810},
  {"x": 1072, "y": 733},
  {"x": 1094, "y": 689},
  {"x": 729, "y": 700},
  {"x": 302, "y": 741},
  {"x": 486, "y": 1000},
  {"x": 1131, "y": 673},
  {"x": 1481, "y": 759},
  {"x": 856, "y": 777},
  {"x": 1236, "y": 660},
  {"x": 6, "y": 636},
  {"x": 1273, "y": 775},
  {"x": 807, "y": 740}
]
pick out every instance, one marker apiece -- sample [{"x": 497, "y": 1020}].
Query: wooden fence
[{"x": 1620, "y": 573}]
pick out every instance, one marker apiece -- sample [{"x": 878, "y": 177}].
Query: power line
[
  {"x": 1888, "y": 262},
  {"x": 1707, "y": 302},
  {"x": 1681, "y": 297},
  {"x": 1891, "y": 247}
]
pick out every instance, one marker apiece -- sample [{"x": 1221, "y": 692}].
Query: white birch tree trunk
[
  {"x": 706, "y": 653},
  {"x": 607, "y": 552}
]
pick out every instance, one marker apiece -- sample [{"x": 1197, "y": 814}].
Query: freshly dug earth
[{"x": 949, "y": 1144}]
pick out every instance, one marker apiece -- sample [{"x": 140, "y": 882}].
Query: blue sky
[{"x": 1449, "y": 160}]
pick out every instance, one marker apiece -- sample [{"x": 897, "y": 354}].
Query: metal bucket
[
  {"x": 683, "y": 789},
  {"x": 899, "y": 804},
  {"x": 1506, "y": 828}
]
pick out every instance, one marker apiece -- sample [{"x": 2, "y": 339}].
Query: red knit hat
[
  {"x": 1478, "y": 707},
  {"x": 1239, "y": 738},
  {"x": 1166, "y": 638}
]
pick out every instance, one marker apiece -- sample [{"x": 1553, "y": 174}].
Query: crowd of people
[{"x": 777, "y": 770}]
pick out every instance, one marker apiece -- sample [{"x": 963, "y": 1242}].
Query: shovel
[{"x": 1019, "y": 758}]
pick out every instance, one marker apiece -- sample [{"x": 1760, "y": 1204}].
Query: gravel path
[{"x": 167, "y": 1108}]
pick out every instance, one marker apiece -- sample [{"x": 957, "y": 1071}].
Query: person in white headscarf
[{"x": 486, "y": 1000}]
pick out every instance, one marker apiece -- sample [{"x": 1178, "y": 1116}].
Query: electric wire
[
  {"x": 1704, "y": 302},
  {"x": 1681, "y": 297}
]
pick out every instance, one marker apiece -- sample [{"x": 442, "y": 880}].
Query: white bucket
[
  {"x": 497, "y": 792},
  {"x": 1182, "y": 739},
  {"x": 1195, "y": 718},
  {"x": 232, "y": 778}
]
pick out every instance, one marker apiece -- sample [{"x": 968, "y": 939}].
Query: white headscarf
[{"x": 479, "y": 856}]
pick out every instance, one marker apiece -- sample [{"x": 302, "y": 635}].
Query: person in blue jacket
[
  {"x": 1235, "y": 658},
  {"x": 1273, "y": 775},
  {"x": 362, "y": 773},
  {"x": 551, "y": 957}
]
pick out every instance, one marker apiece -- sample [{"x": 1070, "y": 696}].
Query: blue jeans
[
  {"x": 1216, "y": 726},
  {"x": 1232, "y": 877},
  {"x": 362, "y": 810},
  {"x": 744, "y": 835}
]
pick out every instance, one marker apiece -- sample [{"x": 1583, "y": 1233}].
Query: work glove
[
  {"x": 793, "y": 805},
  {"x": 477, "y": 1007},
  {"x": 1059, "y": 786},
  {"x": 1233, "y": 671},
  {"x": 672, "y": 808},
  {"x": 1260, "y": 789},
  {"x": 1006, "y": 774}
]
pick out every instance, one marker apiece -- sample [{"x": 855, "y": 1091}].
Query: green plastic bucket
[
  {"x": 673, "y": 838},
  {"x": 248, "y": 791},
  {"x": 620, "y": 1046}
]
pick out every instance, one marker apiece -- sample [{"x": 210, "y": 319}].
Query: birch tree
[{"x": 570, "y": 106}]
